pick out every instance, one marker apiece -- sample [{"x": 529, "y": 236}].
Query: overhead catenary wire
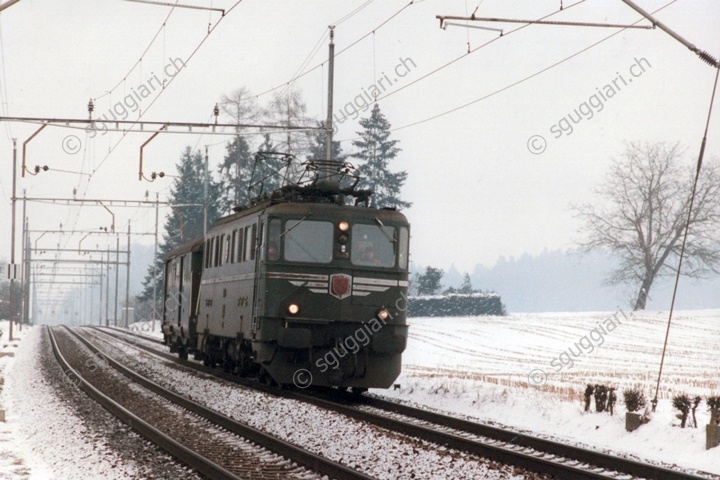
[
  {"x": 556, "y": 23},
  {"x": 685, "y": 235},
  {"x": 142, "y": 55},
  {"x": 352, "y": 14},
  {"x": 192, "y": 54},
  {"x": 3, "y": 93},
  {"x": 507, "y": 87},
  {"x": 4, "y": 102},
  {"x": 337, "y": 53},
  {"x": 479, "y": 47},
  {"x": 111, "y": 148}
]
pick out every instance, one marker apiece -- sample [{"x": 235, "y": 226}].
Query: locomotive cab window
[
  {"x": 403, "y": 248},
  {"x": 273, "y": 240},
  {"x": 308, "y": 241},
  {"x": 373, "y": 245}
]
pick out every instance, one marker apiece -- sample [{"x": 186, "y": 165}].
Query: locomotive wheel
[
  {"x": 358, "y": 391},
  {"x": 228, "y": 365},
  {"x": 264, "y": 377},
  {"x": 183, "y": 353}
]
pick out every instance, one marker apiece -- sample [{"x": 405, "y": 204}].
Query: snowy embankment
[
  {"x": 55, "y": 431},
  {"x": 13, "y": 459},
  {"x": 529, "y": 372}
]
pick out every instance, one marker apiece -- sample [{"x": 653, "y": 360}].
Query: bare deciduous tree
[
  {"x": 241, "y": 105},
  {"x": 642, "y": 215},
  {"x": 288, "y": 109}
]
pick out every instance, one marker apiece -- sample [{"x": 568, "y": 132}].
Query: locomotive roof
[
  {"x": 194, "y": 246},
  {"x": 302, "y": 208},
  {"x": 293, "y": 205},
  {"x": 285, "y": 200}
]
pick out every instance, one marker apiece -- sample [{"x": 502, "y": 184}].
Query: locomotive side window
[
  {"x": 253, "y": 242},
  {"x": 273, "y": 241},
  {"x": 208, "y": 253},
  {"x": 403, "y": 248},
  {"x": 308, "y": 241},
  {"x": 373, "y": 245},
  {"x": 231, "y": 247},
  {"x": 226, "y": 250},
  {"x": 240, "y": 246},
  {"x": 250, "y": 242}
]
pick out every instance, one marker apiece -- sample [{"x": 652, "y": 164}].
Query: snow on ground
[
  {"x": 55, "y": 431},
  {"x": 525, "y": 371},
  {"x": 529, "y": 372},
  {"x": 379, "y": 453},
  {"x": 13, "y": 463},
  {"x": 44, "y": 437},
  {"x": 150, "y": 328}
]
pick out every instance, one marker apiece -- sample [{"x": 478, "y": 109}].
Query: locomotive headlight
[
  {"x": 293, "y": 308},
  {"x": 383, "y": 314},
  {"x": 343, "y": 226}
]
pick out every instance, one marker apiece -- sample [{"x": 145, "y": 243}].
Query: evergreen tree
[
  {"x": 235, "y": 171},
  {"x": 466, "y": 286},
  {"x": 429, "y": 282},
  {"x": 269, "y": 169},
  {"x": 375, "y": 151},
  {"x": 244, "y": 175},
  {"x": 318, "y": 146},
  {"x": 184, "y": 224}
]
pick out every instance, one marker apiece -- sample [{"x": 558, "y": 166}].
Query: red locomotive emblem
[{"x": 340, "y": 285}]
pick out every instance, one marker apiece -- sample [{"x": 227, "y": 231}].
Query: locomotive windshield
[
  {"x": 373, "y": 245},
  {"x": 312, "y": 241},
  {"x": 308, "y": 241}
]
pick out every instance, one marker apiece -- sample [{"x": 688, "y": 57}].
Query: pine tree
[
  {"x": 318, "y": 149},
  {"x": 184, "y": 224},
  {"x": 269, "y": 169},
  {"x": 429, "y": 282},
  {"x": 466, "y": 286},
  {"x": 235, "y": 171},
  {"x": 318, "y": 146},
  {"x": 375, "y": 151}
]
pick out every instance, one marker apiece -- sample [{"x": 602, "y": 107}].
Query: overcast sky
[{"x": 478, "y": 191}]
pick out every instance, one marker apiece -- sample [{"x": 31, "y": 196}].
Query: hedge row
[{"x": 456, "y": 305}]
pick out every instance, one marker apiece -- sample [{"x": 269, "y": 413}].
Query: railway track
[
  {"x": 207, "y": 441},
  {"x": 526, "y": 451}
]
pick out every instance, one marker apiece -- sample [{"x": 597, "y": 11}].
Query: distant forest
[{"x": 555, "y": 281}]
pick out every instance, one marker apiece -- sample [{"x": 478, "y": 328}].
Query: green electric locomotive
[{"x": 300, "y": 288}]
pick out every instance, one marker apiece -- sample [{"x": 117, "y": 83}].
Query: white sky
[{"x": 477, "y": 191}]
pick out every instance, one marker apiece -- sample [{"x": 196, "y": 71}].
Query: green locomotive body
[{"x": 297, "y": 289}]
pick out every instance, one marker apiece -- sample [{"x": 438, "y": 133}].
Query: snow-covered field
[
  {"x": 525, "y": 371},
  {"x": 529, "y": 372}
]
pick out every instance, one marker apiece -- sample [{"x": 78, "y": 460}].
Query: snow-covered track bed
[
  {"x": 146, "y": 339},
  {"x": 212, "y": 444},
  {"x": 520, "y": 441},
  {"x": 507, "y": 446},
  {"x": 538, "y": 461},
  {"x": 376, "y": 451}
]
